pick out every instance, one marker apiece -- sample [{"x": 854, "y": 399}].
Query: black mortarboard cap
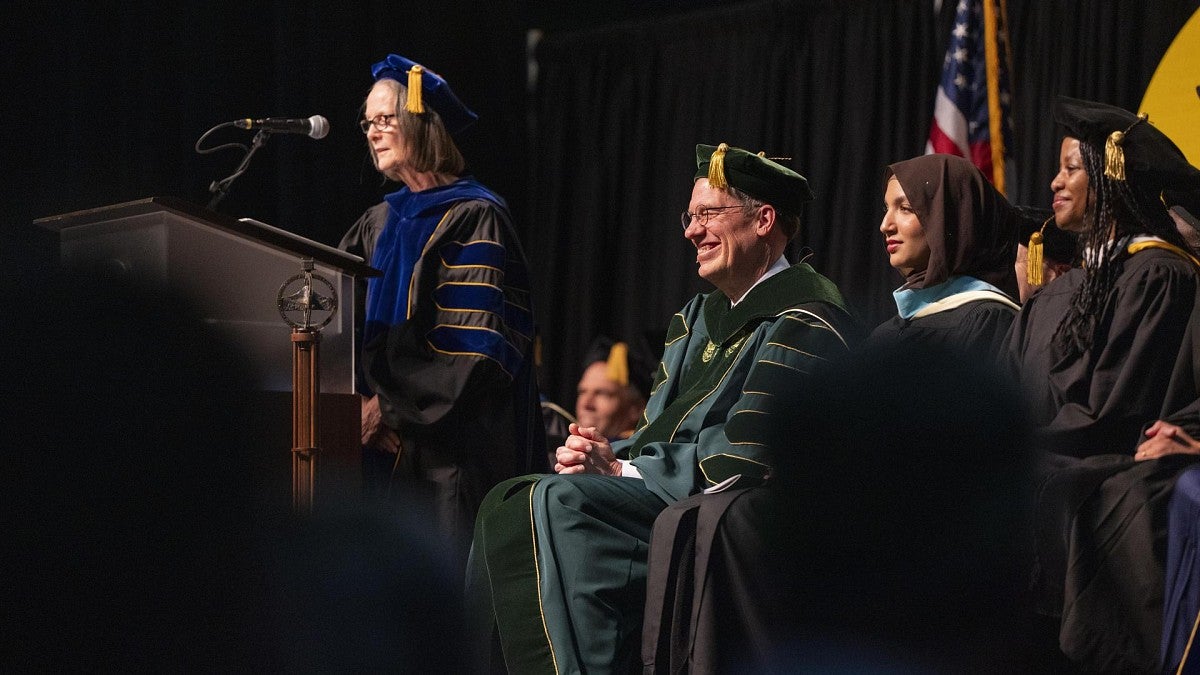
[
  {"x": 425, "y": 87},
  {"x": 757, "y": 176},
  {"x": 1134, "y": 149}
]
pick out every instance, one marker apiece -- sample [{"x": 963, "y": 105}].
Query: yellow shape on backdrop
[{"x": 1172, "y": 98}]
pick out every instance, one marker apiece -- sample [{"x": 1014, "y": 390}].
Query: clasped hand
[
  {"x": 586, "y": 451},
  {"x": 1166, "y": 439}
]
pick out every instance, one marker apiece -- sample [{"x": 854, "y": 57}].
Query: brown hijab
[{"x": 969, "y": 227}]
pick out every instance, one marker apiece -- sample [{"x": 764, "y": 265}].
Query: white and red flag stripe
[{"x": 971, "y": 113}]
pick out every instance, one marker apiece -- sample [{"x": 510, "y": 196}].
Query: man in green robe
[{"x": 558, "y": 565}]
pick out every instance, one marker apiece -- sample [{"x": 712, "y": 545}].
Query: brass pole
[{"x": 306, "y": 389}]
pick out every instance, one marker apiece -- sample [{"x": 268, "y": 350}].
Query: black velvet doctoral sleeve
[
  {"x": 361, "y": 237},
  {"x": 360, "y": 240},
  {"x": 471, "y": 328}
]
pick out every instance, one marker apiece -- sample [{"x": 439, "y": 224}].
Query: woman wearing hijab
[
  {"x": 1103, "y": 352},
  {"x": 953, "y": 237}
]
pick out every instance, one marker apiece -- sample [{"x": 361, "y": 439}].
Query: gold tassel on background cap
[
  {"x": 1114, "y": 152},
  {"x": 716, "y": 168},
  {"x": 414, "y": 104},
  {"x": 618, "y": 363},
  {"x": 1033, "y": 267}
]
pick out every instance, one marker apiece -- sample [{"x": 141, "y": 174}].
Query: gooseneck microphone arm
[
  {"x": 219, "y": 188},
  {"x": 313, "y": 127}
]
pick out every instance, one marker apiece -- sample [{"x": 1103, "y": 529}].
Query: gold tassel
[
  {"x": 618, "y": 363},
  {"x": 1034, "y": 263},
  {"x": 1114, "y": 151},
  {"x": 716, "y": 168},
  {"x": 1114, "y": 156},
  {"x": 414, "y": 104}
]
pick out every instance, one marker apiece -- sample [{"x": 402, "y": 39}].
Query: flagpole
[{"x": 995, "y": 116}]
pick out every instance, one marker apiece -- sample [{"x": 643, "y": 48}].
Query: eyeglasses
[
  {"x": 380, "y": 122},
  {"x": 703, "y": 215}
]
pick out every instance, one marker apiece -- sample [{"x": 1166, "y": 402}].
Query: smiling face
[
  {"x": 388, "y": 148},
  {"x": 903, "y": 235},
  {"x": 1071, "y": 188},
  {"x": 730, "y": 249}
]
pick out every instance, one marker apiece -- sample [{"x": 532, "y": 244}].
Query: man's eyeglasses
[
  {"x": 380, "y": 122},
  {"x": 703, "y": 215}
]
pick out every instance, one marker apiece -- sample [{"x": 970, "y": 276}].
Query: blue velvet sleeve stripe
[
  {"x": 484, "y": 298},
  {"x": 479, "y": 253},
  {"x": 456, "y": 296},
  {"x": 475, "y": 341}
]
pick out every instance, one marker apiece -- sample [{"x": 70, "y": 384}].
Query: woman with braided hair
[
  {"x": 1113, "y": 346},
  {"x": 1101, "y": 354}
]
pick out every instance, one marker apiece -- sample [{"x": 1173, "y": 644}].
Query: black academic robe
[
  {"x": 1101, "y": 515},
  {"x": 978, "y": 328},
  {"x": 463, "y": 402},
  {"x": 1143, "y": 362}
]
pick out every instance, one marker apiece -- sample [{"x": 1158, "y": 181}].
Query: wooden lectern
[{"x": 237, "y": 272}]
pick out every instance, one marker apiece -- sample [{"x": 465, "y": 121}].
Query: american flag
[{"x": 971, "y": 114}]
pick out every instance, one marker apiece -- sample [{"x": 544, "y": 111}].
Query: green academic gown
[{"x": 559, "y": 562}]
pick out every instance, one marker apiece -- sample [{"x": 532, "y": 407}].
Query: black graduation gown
[
  {"x": 977, "y": 327},
  {"x": 466, "y": 419},
  {"x": 1143, "y": 363},
  {"x": 1100, "y": 515}
]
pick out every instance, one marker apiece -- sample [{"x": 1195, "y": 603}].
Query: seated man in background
[
  {"x": 558, "y": 564},
  {"x": 611, "y": 394}
]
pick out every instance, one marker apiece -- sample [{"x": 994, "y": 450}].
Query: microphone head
[{"x": 318, "y": 126}]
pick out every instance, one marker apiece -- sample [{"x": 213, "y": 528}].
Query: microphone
[{"x": 313, "y": 127}]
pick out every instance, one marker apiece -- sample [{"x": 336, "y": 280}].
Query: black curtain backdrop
[
  {"x": 109, "y": 98},
  {"x": 104, "y": 101},
  {"x": 844, "y": 88}
]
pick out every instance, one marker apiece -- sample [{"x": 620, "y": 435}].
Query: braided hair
[{"x": 1119, "y": 210}]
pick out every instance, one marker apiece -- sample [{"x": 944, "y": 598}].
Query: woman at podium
[{"x": 449, "y": 399}]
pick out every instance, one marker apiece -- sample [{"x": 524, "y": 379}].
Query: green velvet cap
[{"x": 755, "y": 175}]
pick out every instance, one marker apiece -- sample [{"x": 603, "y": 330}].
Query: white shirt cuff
[{"x": 628, "y": 470}]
